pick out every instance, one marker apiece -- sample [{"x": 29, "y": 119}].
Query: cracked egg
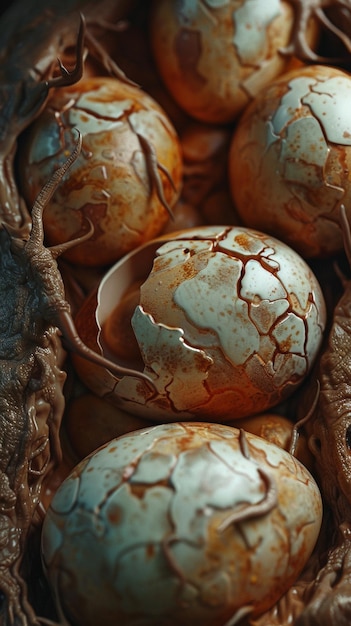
[
  {"x": 126, "y": 179},
  {"x": 183, "y": 523},
  {"x": 290, "y": 160},
  {"x": 214, "y": 56},
  {"x": 226, "y": 321}
]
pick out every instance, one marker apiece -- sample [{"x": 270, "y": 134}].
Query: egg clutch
[{"x": 208, "y": 210}]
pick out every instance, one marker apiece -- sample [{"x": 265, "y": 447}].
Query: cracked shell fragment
[
  {"x": 290, "y": 160},
  {"x": 229, "y": 323},
  {"x": 126, "y": 179},
  {"x": 183, "y": 523}
]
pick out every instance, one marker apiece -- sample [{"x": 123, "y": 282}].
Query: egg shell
[
  {"x": 110, "y": 183},
  {"x": 215, "y": 56},
  {"x": 229, "y": 324},
  {"x": 290, "y": 160},
  {"x": 182, "y": 523}
]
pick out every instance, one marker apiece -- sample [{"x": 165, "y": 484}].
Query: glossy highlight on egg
[{"x": 185, "y": 523}]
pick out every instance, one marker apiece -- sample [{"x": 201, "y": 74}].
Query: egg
[
  {"x": 227, "y": 322},
  {"x": 126, "y": 179},
  {"x": 290, "y": 160},
  {"x": 205, "y": 150},
  {"x": 182, "y": 523},
  {"x": 279, "y": 430},
  {"x": 215, "y": 56}
]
